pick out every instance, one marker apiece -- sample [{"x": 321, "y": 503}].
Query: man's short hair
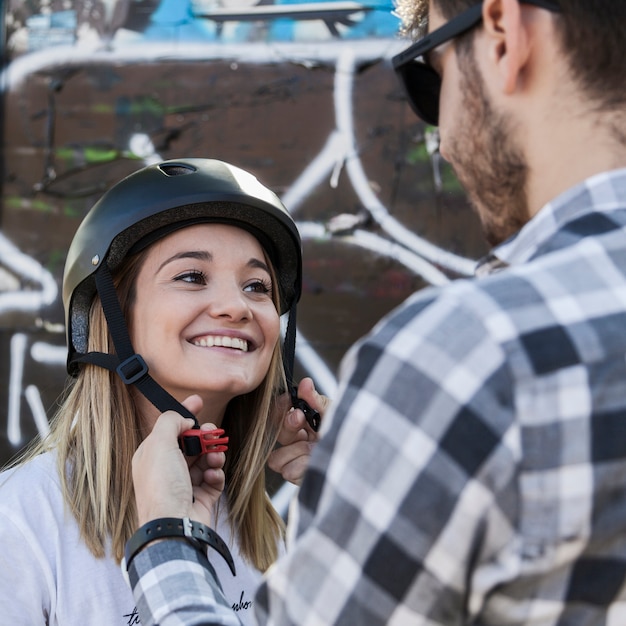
[{"x": 591, "y": 34}]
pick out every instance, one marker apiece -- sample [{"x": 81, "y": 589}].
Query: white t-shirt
[
  {"x": 49, "y": 576},
  {"x": 239, "y": 590}
]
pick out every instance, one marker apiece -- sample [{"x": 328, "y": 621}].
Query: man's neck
[{"x": 564, "y": 152}]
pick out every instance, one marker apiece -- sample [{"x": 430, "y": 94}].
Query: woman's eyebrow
[
  {"x": 201, "y": 255},
  {"x": 253, "y": 262}
]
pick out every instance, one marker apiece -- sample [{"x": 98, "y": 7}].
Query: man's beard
[{"x": 488, "y": 163}]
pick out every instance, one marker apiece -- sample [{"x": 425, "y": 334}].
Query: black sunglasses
[{"x": 421, "y": 83}]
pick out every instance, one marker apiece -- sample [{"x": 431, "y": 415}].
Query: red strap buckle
[{"x": 195, "y": 441}]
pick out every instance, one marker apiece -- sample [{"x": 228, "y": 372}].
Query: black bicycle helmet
[{"x": 146, "y": 206}]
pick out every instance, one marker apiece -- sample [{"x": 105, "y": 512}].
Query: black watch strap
[{"x": 196, "y": 533}]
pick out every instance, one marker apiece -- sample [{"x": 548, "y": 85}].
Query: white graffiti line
[
  {"x": 48, "y": 353},
  {"x": 45, "y": 353},
  {"x": 345, "y": 55},
  {"x": 307, "y": 54},
  {"x": 400, "y": 233},
  {"x": 380, "y": 245},
  {"x": 25, "y": 267},
  {"x": 33, "y": 397},
  {"x": 18, "y": 346},
  {"x": 325, "y": 380},
  {"x": 344, "y": 80},
  {"x": 141, "y": 145},
  {"x": 340, "y": 149},
  {"x": 315, "y": 172}
]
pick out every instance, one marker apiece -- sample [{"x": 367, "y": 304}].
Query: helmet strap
[
  {"x": 289, "y": 353},
  {"x": 130, "y": 367}
]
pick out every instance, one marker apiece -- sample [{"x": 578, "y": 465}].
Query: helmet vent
[{"x": 176, "y": 169}]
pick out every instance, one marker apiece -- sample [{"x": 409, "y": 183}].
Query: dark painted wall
[{"x": 308, "y": 102}]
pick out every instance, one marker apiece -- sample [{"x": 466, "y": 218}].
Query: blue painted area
[
  {"x": 174, "y": 20},
  {"x": 198, "y": 21},
  {"x": 178, "y": 19},
  {"x": 378, "y": 21},
  {"x": 51, "y": 29}
]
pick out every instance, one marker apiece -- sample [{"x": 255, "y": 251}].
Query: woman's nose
[{"x": 229, "y": 301}]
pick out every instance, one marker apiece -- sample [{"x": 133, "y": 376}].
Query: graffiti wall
[{"x": 301, "y": 94}]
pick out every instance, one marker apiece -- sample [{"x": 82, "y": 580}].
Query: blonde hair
[
  {"x": 413, "y": 16},
  {"x": 95, "y": 441}
]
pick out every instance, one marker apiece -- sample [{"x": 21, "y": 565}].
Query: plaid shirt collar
[{"x": 598, "y": 193}]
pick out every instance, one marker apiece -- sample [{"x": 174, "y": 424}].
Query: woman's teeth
[{"x": 224, "y": 342}]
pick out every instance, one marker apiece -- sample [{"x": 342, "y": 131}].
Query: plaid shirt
[{"x": 472, "y": 469}]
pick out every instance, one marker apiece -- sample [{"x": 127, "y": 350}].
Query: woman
[{"x": 173, "y": 288}]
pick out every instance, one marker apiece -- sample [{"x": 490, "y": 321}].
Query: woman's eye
[
  {"x": 194, "y": 277},
  {"x": 259, "y": 286}
]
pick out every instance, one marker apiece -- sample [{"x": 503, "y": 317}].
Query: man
[{"x": 472, "y": 469}]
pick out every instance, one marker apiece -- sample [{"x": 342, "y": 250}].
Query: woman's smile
[
  {"x": 204, "y": 317},
  {"x": 222, "y": 341}
]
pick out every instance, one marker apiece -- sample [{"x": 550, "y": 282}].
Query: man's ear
[{"x": 508, "y": 41}]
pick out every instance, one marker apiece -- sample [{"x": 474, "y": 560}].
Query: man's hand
[
  {"x": 168, "y": 484},
  {"x": 296, "y": 437}
]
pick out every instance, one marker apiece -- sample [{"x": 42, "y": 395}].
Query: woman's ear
[{"x": 507, "y": 39}]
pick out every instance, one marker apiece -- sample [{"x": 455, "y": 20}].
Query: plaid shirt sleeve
[
  {"x": 390, "y": 514},
  {"x": 174, "y": 585},
  {"x": 471, "y": 470}
]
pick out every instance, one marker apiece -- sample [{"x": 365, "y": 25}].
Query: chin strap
[
  {"x": 289, "y": 357},
  {"x": 133, "y": 370},
  {"x": 130, "y": 367}
]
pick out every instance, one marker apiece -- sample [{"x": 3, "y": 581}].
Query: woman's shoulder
[{"x": 36, "y": 477}]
